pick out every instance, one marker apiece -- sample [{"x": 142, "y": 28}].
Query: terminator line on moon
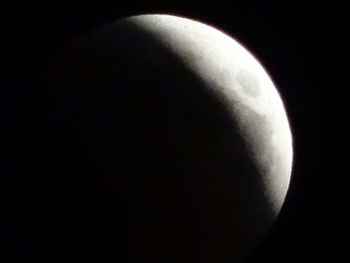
[{"x": 202, "y": 114}]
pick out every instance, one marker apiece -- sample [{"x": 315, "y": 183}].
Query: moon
[{"x": 185, "y": 131}]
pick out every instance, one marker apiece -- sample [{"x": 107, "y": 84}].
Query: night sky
[{"x": 305, "y": 49}]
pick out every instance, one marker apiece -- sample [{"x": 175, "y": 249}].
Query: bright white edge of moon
[{"x": 206, "y": 49}]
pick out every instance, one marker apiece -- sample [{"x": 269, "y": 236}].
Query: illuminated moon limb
[{"x": 230, "y": 69}]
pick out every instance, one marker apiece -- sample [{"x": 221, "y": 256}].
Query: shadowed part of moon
[{"x": 249, "y": 83}]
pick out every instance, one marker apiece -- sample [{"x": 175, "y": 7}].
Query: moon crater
[{"x": 249, "y": 83}]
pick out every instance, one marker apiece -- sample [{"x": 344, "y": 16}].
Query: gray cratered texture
[{"x": 185, "y": 133}]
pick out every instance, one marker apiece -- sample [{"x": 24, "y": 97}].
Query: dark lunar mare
[{"x": 131, "y": 158}]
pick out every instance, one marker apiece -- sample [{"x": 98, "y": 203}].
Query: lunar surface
[{"x": 182, "y": 134}]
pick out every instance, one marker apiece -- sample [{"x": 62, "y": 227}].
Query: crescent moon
[
  {"x": 235, "y": 75},
  {"x": 196, "y": 115}
]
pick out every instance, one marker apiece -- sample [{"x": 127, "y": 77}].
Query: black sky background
[{"x": 305, "y": 50}]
